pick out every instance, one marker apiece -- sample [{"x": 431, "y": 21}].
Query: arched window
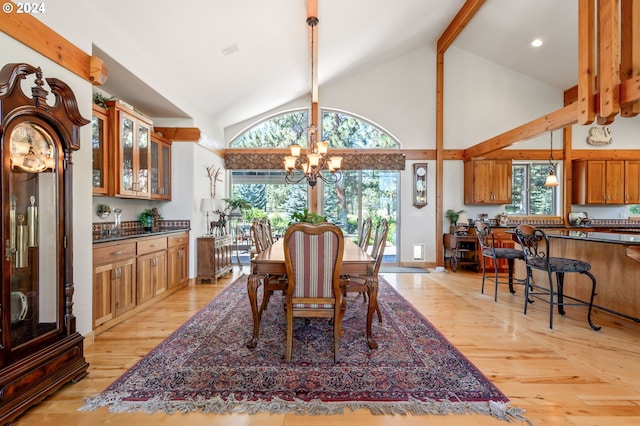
[{"x": 369, "y": 187}]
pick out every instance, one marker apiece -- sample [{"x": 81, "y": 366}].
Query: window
[
  {"x": 530, "y": 196},
  {"x": 360, "y": 194}
]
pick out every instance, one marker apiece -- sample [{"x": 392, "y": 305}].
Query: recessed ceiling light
[{"x": 536, "y": 43}]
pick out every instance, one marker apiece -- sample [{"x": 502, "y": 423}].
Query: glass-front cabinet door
[
  {"x": 132, "y": 134},
  {"x": 33, "y": 244},
  {"x": 99, "y": 138},
  {"x": 160, "y": 168}
]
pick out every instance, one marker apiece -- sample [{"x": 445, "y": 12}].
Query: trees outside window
[{"x": 529, "y": 195}]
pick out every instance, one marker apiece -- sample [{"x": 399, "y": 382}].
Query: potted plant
[
  {"x": 453, "y": 217},
  {"x": 236, "y": 206},
  {"x": 307, "y": 217},
  {"x": 149, "y": 219}
]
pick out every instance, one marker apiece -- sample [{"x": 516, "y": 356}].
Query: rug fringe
[{"x": 117, "y": 404}]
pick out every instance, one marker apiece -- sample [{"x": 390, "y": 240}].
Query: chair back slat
[
  {"x": 365, "y": 234},
  {"x": 379, "y": 244},
  {"x": 530, "y": 238}
]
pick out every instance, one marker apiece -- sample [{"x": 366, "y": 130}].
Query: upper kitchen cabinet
[
  {"x": 598, "y": 182},
  {"x": 487, "y": 182},
  {"x": 130, "y": 134},
  {"x": 99, "y": 138},
  {"x": 160, "y": 171}
]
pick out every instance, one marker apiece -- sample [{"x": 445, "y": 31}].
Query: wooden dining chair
[
  {"x": 270, "y": 283},
  {"x": 360, "y": 283},
  {"x": 313, "y": 258},
  {"x": 365, "y": 234}
]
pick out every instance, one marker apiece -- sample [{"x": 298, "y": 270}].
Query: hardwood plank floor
[{"x": 570, "y": 375}]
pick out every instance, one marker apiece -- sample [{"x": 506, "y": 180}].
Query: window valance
[{"x": 360, "y": 160}]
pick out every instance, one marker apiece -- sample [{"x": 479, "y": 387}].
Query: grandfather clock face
[{"x": 33, "y": 241}]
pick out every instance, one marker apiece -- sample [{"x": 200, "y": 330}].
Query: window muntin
[{"x": 529, "y": 195}]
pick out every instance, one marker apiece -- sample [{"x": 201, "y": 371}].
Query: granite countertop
[
  {"x": 133, "y": 234},
  {"x": 601, "y": 237}
]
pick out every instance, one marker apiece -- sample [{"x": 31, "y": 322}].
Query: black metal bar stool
[
  {"x": 537, "y": 257},
  {"x": 490, "y": 251}
]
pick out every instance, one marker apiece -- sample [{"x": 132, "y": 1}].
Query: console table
[{"x": 214, "y": 257}]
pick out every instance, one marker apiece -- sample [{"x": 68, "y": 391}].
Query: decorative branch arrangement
[{"x": 214, "y": 177}]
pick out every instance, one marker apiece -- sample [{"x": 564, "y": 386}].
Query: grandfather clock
[{"x": 40, "y": 349}]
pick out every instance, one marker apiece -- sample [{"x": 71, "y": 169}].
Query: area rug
[{"x": 206, "y": 366}]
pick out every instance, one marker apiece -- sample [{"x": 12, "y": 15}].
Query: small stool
[
  {"x": 536, "y": 258},
  {"x": 489, "y": 250}
]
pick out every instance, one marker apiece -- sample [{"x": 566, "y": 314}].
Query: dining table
[{"x": 270, "y": 262}]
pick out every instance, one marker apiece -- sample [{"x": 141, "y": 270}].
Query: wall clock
[{"x": 420, "y": 185}]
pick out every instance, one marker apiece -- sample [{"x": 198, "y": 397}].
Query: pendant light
[{"x": 552, "y": 179}]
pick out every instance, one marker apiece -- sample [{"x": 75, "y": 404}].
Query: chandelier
[{"x": 315, "y": 164}]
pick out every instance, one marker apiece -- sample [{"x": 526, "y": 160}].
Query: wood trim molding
[
  {"x": 34, "y": 34},
  {"x": 179, "y": 134}
]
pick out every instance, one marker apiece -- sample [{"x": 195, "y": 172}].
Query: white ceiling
[{"x": 271, "y": 66}]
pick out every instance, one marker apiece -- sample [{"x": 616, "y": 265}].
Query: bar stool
[
  {"x": 490, "y": 251},
  {"x": 537, "y": 257}
]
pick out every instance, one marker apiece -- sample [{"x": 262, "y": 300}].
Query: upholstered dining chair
[
  {"x": 313, "y": 258},
  {"x": 489, "y": 250},
  {"x": 365, "y": 234},
  {"x": 537, "y": 249},
  {"x": 360, "y": 283}
]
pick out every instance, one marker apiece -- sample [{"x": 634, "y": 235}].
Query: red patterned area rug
[{"x": 206, "y": 366}]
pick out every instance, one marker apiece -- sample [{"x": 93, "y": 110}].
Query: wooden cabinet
[
  {"x": 114, "y": 281},
  {"x": 152, "y": 268},
  {"x": 130, "y": 143},
  {"x": 128, "y": 275},
  {"x": 99, "y": 140},
  {"x": 487, "y": 182},
  {"x": 501, "y": 239},
  {"x": 40, "y": 349},
  {"x": 214, "y": 257},
  {"x": 160, "y": 168},
  {"x": 599, "y": 181},
  {"x": 178, "y": 252},
  {"x": 632, "y": 182}
]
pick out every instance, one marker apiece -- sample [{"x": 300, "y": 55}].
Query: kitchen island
[{"x": 615, "y": 262}]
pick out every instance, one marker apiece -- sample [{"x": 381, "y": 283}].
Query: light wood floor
[{"x": 570, "y": 375}]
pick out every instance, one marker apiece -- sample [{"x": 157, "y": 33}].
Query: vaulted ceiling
[{"x": 245, "y": 57}]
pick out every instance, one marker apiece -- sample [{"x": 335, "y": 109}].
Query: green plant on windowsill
[
  {"x": 307, "y": 217},
  {"x": 236, "y": 204}
]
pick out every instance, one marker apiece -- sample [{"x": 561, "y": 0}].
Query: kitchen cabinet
[
  {"x": 598, "y": 182},
  {"x": 178, "y": 253},
  {"x": 214, "y": 257},
  {"x": 114, "y": 281},
  {"x": 99, "y": 140},
  {"x": 632, "y": 182},
  {"x": 130, "y": 143},
  {"x": 160, "y": 168},
  {"x": 487, "y": 182},
  {"x": 130, "y": 274},
  {"x": 152, "y": 268}
]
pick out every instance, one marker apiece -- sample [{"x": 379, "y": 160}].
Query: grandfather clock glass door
[{"x": 33, "y": 244}]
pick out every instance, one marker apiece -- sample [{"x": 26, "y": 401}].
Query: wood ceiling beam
[
  {"x": 455, "y": 27},
  {"x": 34, "y": 34},
  {"x": 558, "y": 119},
  {"x": 585, "y": 90},
  {"x": 459, "y": 22},
  {"x": 179, "y": 134},
  {"x": 608, "y": 60},
  {"x": 630, "y": 53}
]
